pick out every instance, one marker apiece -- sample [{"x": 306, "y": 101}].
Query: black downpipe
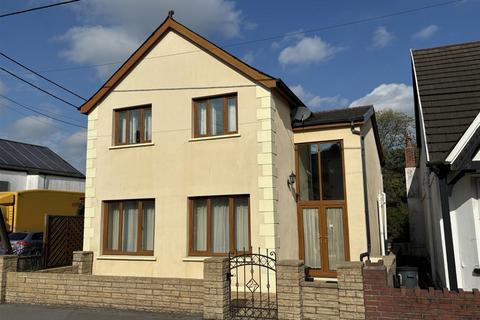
[
  {"x": 441, "y": 172},
  {"x": 365, "y": 193}
]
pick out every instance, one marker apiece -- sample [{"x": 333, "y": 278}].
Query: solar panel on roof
[{"x": 22, "y": 156}]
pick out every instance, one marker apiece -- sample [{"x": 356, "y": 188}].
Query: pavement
[{"x": 35, "y": 312}]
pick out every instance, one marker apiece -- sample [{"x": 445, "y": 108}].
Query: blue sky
[{"x": 357, "y": 64}]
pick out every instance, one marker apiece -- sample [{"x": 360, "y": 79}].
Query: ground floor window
[
  {"x": 219, "y": 224},
  {"x": 129, "y": 227}
]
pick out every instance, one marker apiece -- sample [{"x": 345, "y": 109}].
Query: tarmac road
[{"x": 35, "y": 312}]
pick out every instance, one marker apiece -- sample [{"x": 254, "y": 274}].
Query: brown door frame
[{"x": 321, "y": 205}]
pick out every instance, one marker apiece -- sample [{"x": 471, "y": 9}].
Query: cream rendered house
[{"x": 192, "y": 153}]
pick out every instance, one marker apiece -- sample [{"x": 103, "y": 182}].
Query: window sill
[
  {"x": 225, "y": 136},
  {"x": 128, "y": 258},
  {"x": 194, "y": 259},
  {"x": 132, "y": 145}
]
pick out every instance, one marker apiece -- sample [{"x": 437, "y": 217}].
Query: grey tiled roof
[
  {"x": 449, "y": 87},
  {"x": 347, "y": 115},
  {"x": 35, "y": 159}
]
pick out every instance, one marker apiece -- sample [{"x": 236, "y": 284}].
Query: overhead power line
[
  {"x": 43, "y": 77},
  {"x": 38, "y": 88},
  {"x": 41, "y": 113},
  {"x": 275, "y": 37},
  {"x": 37, "y": 8}
]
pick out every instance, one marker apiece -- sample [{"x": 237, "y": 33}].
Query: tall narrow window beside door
[
  {"x": 219, "y": 225},
  {"x": 214, "y": 116},
  {"x": 133, "y": 125}
]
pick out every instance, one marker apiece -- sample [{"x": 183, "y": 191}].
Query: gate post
[
  {"x": 290, "y": 274},
  {"x": 7, "y": 264},
  {"x": 350, "y": 290},
  {"x": 216, "y": 301},
  {"x": 82, "y": 262}
]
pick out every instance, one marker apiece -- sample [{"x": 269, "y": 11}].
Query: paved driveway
[{"x": 30, "y": 312}]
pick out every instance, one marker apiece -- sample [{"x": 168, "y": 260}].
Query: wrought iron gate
[{"x": 253, "y": 280}]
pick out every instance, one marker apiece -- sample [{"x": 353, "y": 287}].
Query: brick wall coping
[
  {"x": 320, "y": 284},
  {"x": 56, "y": 270},
  {"x": 215, "y": 260},
  {"x": 350, "y": 265},
  {"x": 124, "y": 279},
  {"x": 290, "y": 263}
]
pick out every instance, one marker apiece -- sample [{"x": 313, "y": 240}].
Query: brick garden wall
[
  {"x": 320, "y": 300},
  {"x": 385, "y": 302},
  {"x": 150, "y": 294}
]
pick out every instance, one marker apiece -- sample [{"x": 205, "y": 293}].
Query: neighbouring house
[
  {"x": 443, "y": 186},
  {"x": 26, "y": 166},
  {"x": 192, "y": 153}
]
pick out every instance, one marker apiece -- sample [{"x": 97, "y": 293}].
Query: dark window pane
[
  {"x": 332, "y": 171},
  {"x": 37, "y": 236},
  {"x": 309, "y": 183}
]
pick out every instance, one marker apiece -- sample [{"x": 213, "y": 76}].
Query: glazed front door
[{"x": 323, "y": 243}]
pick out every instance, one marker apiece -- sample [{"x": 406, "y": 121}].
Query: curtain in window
[
  {"x": 130, "y": 226},
  {"x": 147, "y": 124},
  {"x": 220, "y": 225},
  {"x": 216, "y": 116},
  {"x": 241, "y": 224},
  {"x": 311, "y": 236},
  {"x": 309, "y": 176},
  {"x": 200, "y": 225},
  {"x": 148, "y": 225},
  {"x": 336, "y": 246},
  {"x": 134, "y": 134},
  {"x": 232, "y": 114},
  {"x": 202, "y": 118},
  {"x": 122, "y": 127},
  {"x": 113, "y": 226}
]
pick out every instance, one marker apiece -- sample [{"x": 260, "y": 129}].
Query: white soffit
[{"x": 452, "y": 156}]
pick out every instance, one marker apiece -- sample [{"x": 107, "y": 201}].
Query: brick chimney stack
[{"x": 410, "y": 160}]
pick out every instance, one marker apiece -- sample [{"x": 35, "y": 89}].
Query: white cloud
[
  {"x": 248, "y": 57},
  {"x": 397, "y": 96},
  {"x": 142, "y": 16},
  {"x": 426, "y": 32},
  {"x": 307, "y": 50},
  {"x": 112, "y": 29},
  {"x": 35, "y": 129},
  {"x": 98, "y": 44},
  {"x": 316, "y": 102},
  {"x": 382, "y": 37}
]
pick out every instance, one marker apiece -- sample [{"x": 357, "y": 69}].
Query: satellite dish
[{"x": 301, "y": 114}]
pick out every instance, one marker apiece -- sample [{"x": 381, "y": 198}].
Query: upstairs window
[
  {"x": 133, "y": 125},
  {"x": 320, "y": 171},
  {"x": 214, "y": 116}
]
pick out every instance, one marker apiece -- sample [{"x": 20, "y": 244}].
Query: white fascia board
[
  {"x": 467, "y": 135},
  {"x": 420, "y": 113}
]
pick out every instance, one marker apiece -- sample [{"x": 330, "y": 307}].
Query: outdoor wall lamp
[{"x": 291, "y": 180}]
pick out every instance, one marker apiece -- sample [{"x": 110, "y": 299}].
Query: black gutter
[
  {"x": 441, "y": 171},
  {"x": 365, "y": 192}
]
